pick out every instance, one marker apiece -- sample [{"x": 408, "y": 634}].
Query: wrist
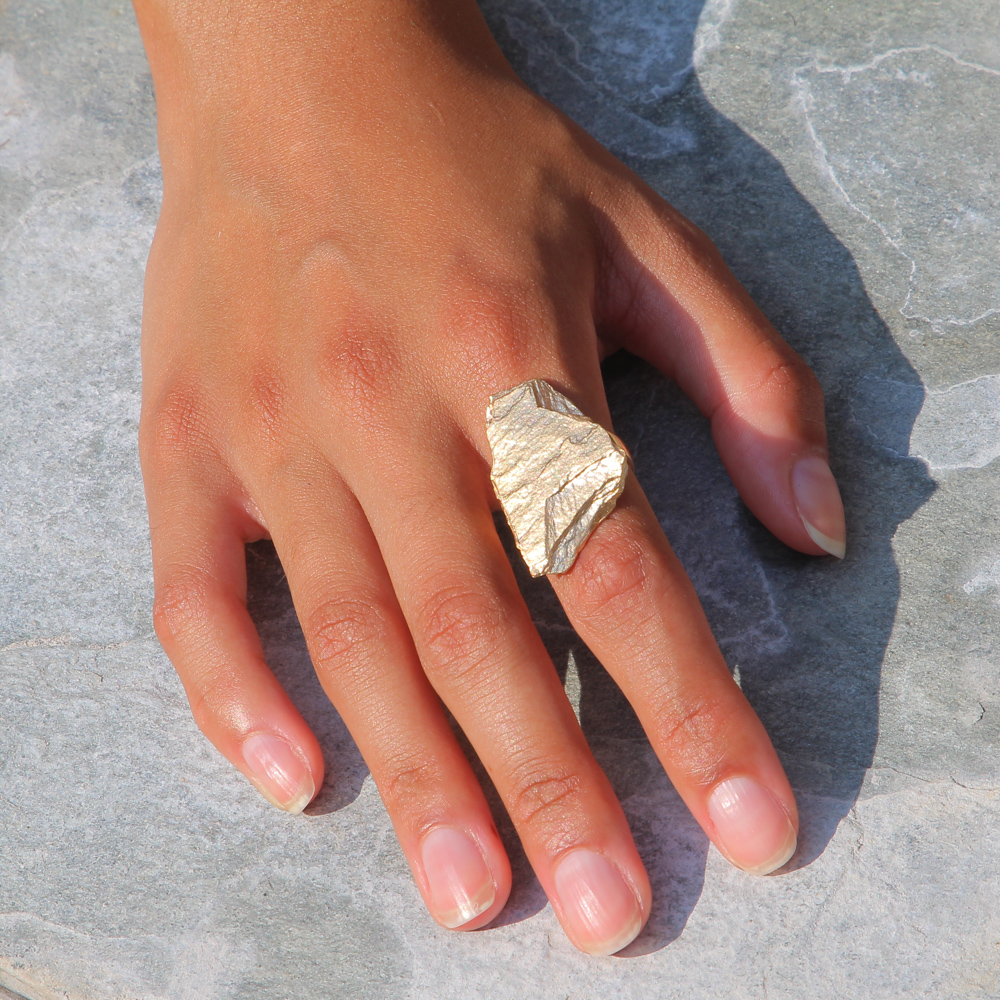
[{"x": 252, "y": 71}]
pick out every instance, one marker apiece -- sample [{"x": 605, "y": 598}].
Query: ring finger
[
  {"x": 630, "y": 600},
  {"x": 632, "y": 603}
]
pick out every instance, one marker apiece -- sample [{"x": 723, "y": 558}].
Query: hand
[{"x": 369, "y": 225}]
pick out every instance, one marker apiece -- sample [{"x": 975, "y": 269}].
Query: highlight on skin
[
  {"x": 755, "y": 832},
  {"x": 460, "y": 882},
  {"x": 817, "y": 499},
  {"x": 600, "y": 910},
  {"x": 278, "y": 772}
]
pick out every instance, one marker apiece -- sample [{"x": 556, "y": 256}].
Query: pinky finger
[{"x": 201, "y": 619}]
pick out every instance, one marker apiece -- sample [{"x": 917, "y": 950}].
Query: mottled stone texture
[{"x": 843, "y": 156}]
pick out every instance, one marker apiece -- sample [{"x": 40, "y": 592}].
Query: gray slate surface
[{"x": 844, "y": 158}]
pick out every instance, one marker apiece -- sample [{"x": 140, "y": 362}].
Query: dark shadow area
[
  {"x": 270, "y": 605},
  {"x": 805, "y": 636},
  {"x": 526, "y": 894}
]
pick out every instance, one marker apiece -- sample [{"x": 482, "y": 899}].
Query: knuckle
[
  {"x": 785, "y": 375},
  {"x": 688, "y": 241},
  {"x": 458, "y": 627},
  {"x": 358, "y": 370},
  {"x": 185, "y": 610},
  {"x": 215, "y": 698},
  {"x": 177, "y": 426},
  {"x": 487, "y": 325},
  {"x": 406, "y": 785},
  {"x": 777, "y": 381},
  {"x": 346, "y": 631},
  {"x": 266, "y": 403},
  {"x": 182, "y": 608},
  {"x": 539, "y": 799},
  {"x": 691, "y": 734},
  {"x": 612, "y": 573}
]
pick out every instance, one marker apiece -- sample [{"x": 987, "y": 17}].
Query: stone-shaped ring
[{"x": 556, "y": 473}]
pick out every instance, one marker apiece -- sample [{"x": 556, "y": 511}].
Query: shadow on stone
[
  {"x": 270, "y": 605},
  {"x": 805, "y": 636},
  {"x": 671, "y": 843}
]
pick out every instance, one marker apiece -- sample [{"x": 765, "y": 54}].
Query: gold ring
[{"x": 557, "y": 473}]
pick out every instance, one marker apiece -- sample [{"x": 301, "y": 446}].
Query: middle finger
[
  {"x": 364, "y": 658},
  {"x": 484, "y": 657}
]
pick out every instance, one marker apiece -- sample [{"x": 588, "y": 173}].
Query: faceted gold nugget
[{"x": 556, "y": 473}]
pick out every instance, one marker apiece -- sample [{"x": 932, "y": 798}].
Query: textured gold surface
[{"x": 556, "y": 473}]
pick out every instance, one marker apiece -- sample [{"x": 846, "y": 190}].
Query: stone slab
[{"x": 843, "y": 158}]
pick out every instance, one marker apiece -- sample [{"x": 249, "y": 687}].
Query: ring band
[{"x": 557, "y": 474}]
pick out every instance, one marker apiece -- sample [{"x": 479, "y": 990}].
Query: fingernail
[
  {"x": 601, "y": 911},
  {"x": 820, "y": 507},
  {"x": 460, "y": 881},
  {"x": 755, "y": 832},
  {"x": 281, "y": 776}
]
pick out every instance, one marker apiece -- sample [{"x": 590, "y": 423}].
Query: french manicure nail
[
  {"x": 601, "y": 910},
  {"x": 281, "y": 776},
  {"x": 460, "y": 881},
  {"x": 755, "y": 832},
  {"x": 819, "y": 505}
]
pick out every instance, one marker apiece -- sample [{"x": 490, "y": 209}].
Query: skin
[{"x": 369, "y": 225}]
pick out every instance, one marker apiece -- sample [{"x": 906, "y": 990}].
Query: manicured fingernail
[
  {"x": 281, "y": 776},
  {"x": 460, "y": 881},
  {"x": 601, "y": 911},
  {"x": 755, "y": 832},
  {"x": 820, "y": 507}
]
